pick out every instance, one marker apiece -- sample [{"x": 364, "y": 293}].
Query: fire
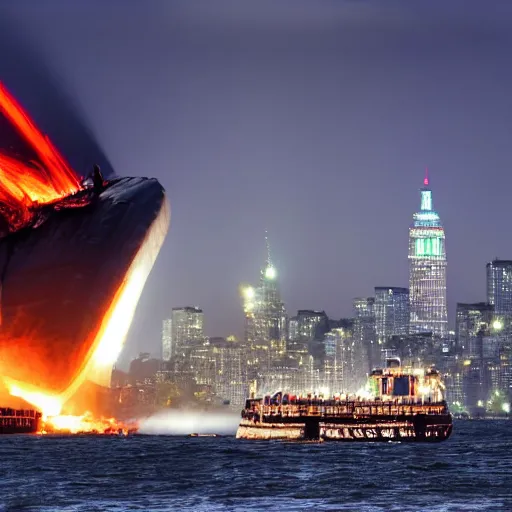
[
  {"x": 87, "y": 423},
  {"x": 53, "y": 422},
  {"x": 24, "y": 185},
  {"x": 49, "y": 405}
]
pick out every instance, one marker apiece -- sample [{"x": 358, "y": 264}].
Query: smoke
[
  {"x": 41, "y": 92},
  {"x": 182, "y": 422}
]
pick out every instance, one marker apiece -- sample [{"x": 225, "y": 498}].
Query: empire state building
[{"x": 427, "y": 269}]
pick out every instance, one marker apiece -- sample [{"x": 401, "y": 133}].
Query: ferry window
[{"x": 401, "y": 386}]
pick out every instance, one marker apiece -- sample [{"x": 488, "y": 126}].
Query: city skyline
[
  {"x": 315, "y": 126},
  {"x": 427, "y": 218}
]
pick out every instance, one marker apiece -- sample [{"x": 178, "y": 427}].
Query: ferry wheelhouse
[{"x": 402, "y": 404}]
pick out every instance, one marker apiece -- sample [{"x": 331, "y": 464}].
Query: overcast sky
[{"x": 312, "y": 119}]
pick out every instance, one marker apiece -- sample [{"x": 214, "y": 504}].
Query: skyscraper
[
  {"x": 470, "y": 320},
  {"x": 311, "y": 329},
  {"x": 427, "y": 269},
  {"x": 364, "y": 330},
  {"x": 186, "y": 329},
  {"x": 499, "y": 286},
  {"x": 167, "y": 339},
  {"x": 265, "y": 317},
  {"x": 391, "y": 312}
]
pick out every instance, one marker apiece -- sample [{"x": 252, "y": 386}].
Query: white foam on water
[{"x": 182, "y": 422}]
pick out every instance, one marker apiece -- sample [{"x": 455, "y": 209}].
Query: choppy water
[{"x": 472, "y": 471}]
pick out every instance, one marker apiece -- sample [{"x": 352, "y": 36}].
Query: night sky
[{"x": 314, "y": 120}]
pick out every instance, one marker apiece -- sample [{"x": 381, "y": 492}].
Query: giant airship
[{"x": 75, "y": 253}]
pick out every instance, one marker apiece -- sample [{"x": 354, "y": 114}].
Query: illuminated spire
[
  {"x": 270, "y": 271},
  {"x": 267, "y": 244},
  {"x": 426, "y": 194}
]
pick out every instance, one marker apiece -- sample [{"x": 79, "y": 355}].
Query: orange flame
[
  {"x": 86, "y": 423},
  {"x": 24, "y": 185}
]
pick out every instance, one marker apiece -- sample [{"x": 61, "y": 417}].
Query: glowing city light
[
  {"x": 364, "y": 393},
  {"x": 324, "y": 391},
  {"x": 506, "y": 408},
  {"x": 270, "y": 272},
  {"x": 248, "y": 293},
  {"x": 497, "y": 325}
]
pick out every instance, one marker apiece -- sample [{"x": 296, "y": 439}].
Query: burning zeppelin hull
[{"x": 70, "y": 283}]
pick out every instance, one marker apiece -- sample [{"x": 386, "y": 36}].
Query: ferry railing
[{"x": 347, "y": 409}]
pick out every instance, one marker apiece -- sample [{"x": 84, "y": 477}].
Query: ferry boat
[
  {"x": 403, "y": 405},
  {"x": 19, "y": 421}
]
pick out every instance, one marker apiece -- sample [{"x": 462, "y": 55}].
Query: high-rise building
[
  {"x": 230, "y": 364},
  {"x": 364, "y": 330},
  {"x": 470, "y": 320},
  {"x": 290, "y": 376},
  {"x": 167, "y": 339},
  {"x": 427, "y": 269},
  {"x": 499, "y": 286},
  {"x": 265, "y": 317},
  {"x": 293, "y": 329},
  {"x": 312, "y": 327},
  {"x": 338, "y": 343},
  {"x": 345, "y": 368},
  {"x": 186, "y": 329},
  {"x": 391, "y": 312}
]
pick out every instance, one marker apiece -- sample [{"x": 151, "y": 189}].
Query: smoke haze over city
[{"x": 314, "y": 123}]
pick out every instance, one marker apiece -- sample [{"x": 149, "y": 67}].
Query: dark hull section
[
  {"x": 418, "y": 428},
  {"x": 431, "y": 429},
  {"x": 14, "y": 421},
  {"x": 59, "y": 278}
]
